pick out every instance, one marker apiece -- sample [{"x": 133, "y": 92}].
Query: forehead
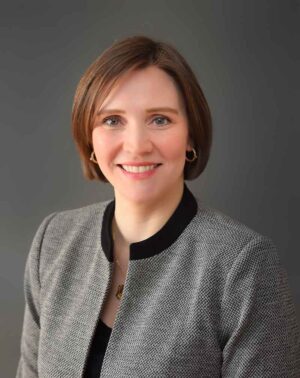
[{"x": 151, "y": 87}]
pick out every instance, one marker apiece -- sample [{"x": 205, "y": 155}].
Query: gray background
[{"x": 246, "y": 56}]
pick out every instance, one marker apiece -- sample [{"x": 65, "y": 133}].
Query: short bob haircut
[{"x": 134, "y": 53}]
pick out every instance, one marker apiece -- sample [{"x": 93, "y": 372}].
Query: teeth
[{"x": 130, "y": 168}]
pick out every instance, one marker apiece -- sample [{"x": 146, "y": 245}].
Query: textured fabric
[{"x": 216, "y": 302}]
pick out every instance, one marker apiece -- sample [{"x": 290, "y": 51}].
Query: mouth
[{"x": 138, "y": 169}]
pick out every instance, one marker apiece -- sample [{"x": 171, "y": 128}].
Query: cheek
[
  {"x": 174, "y": 146},
  {"x": 103, "y": 146}
]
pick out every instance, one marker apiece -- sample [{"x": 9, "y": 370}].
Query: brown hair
[{"x": 138, "y": 52}]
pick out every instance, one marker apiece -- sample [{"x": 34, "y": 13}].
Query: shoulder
[
  {"x": 65, "y": 234},
  {"x": 225, "y": 237},
  {"x": 215, "y": 223},
  {"x": 82, "y": 212},
  {"x": 70, "y": 219},
  {"x": 60, "y": 230}
]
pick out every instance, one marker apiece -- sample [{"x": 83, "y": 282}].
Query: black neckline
[{"x": 162, "y": 239}]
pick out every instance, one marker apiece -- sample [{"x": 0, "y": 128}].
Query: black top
[{"x": 97, "y": 350}]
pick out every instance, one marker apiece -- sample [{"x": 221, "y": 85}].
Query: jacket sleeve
[
  {"x": 258, "y": 317},
  {"x": 28, "y": 361}
]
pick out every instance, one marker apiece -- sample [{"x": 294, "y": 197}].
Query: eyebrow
[{"x": 151, "y": 110}]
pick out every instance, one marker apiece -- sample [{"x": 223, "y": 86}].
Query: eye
[
  {"x": 114, "y": 120},
  {"x": 111, "y": 118},
  {"x": 162, "y": 118}
]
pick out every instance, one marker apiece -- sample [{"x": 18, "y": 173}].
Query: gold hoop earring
[
  {"x": 93, "y": 157},
  {"x": 194, "y": 157}
]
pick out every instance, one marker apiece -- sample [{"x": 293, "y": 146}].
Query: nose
[{"x": 137, "y": 141}]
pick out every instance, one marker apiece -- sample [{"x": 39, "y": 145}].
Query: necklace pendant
[{"x": 119, "y": 291}]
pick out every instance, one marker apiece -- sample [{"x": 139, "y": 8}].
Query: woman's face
[{"x": 134, "y": 127}]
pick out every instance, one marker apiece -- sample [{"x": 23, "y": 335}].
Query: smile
[{"x": 138, "y": 169}]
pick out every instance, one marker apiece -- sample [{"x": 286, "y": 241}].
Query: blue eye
[
  {"x": 110, "y": 118},
  {"x": 163, "y": 118},
  {"x": 114, "y": 120}
]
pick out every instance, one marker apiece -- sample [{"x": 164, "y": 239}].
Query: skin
[{"x": 142, "y": 206}]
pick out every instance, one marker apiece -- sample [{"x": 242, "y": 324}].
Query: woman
[{"x": 152, "y": 283}]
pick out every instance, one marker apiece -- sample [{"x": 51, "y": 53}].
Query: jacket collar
[{"x": 162, "y": 239}]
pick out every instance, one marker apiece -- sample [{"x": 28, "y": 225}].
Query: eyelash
[{"x": 118, "y": 118}]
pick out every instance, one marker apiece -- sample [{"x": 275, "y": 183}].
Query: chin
[{"x": 140, "y": 195}]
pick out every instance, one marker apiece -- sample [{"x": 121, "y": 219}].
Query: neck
[{"x": 134, "y": 222}]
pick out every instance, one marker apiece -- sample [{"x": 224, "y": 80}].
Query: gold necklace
[{"x": 120, "y": 287}]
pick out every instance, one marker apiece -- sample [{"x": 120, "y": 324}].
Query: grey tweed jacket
[{"x": 206, "y": 296}]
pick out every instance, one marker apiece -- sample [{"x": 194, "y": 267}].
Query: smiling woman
[
  {"x": 111, "y": 73},
  {"x": 152, "y": 283}
]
